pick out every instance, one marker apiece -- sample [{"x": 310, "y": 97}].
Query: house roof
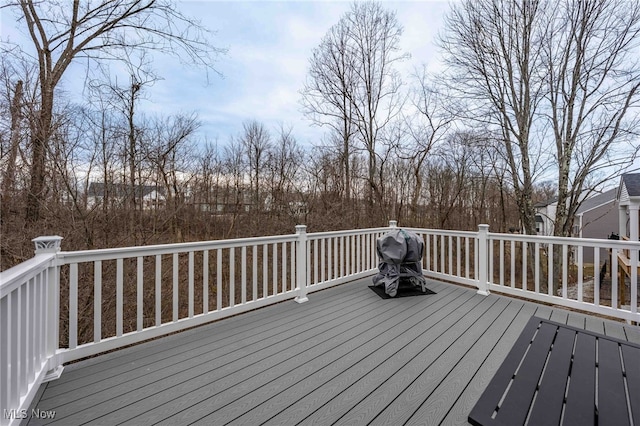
[
  {"x": 546, "y": 202},
  {"x": 629, "y": 188},
  {"x": 597, "y": 201},
  {"x": 99, "y": 189},
  {"x": 632, "y": 183}
]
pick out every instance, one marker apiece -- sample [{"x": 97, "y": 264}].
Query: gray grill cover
[{"x": 399, "y": 253}]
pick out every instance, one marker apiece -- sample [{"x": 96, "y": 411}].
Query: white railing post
[
  {"x": 301, "y": 263},
  {"x": 393, "y": 224},
  {"x": 51, "y": 245},
  {"x": 483, "y": 234}
]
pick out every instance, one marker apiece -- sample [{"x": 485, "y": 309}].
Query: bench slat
[
  {"x": 631, "y": 358},
  {"x": 580, "y": 408},
  {"x": 612, "y": 404},
  {"x": 547, "y": 408},
  {"x": 518, "y": 400}
]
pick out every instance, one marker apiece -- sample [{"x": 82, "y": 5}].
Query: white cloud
[{"x": 269, "y": 45}]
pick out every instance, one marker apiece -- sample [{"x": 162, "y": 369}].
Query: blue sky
[{"x": 269, "y": 44}]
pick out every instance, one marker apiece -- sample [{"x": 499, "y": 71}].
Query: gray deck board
[
  {"x": 344, "y": 357},
  {"x": 405, "y": 405},
  {"x": 390, "y": 346},
  {"x": 341, "y": 338},
  {"x": 631, "y": 334},
  {"x": 406, "y": 373},
  {"x": 615, "y": 330},
  {"x": 485, "y": 369}
]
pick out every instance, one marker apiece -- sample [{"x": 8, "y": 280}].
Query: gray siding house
[{"x": 597, "y": 217}]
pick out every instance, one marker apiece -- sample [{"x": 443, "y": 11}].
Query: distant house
[
  {"x": 291, "y": 204},
  {"x": 150, "y": 196},
  {"x": 545, "y": 216},
  {"x": 298, "y": 208},
  {"x": 221, "y": 200},
  {"x": 628, "y": 200},
  {"x": 597, "y": 217}
]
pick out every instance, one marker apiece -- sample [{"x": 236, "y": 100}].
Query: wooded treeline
[
  {"x": 261, "y": 182},
  {"x": 537, "y": 99}
]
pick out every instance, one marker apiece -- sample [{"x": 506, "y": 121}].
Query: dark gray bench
[{"x": 558, "y": 374}]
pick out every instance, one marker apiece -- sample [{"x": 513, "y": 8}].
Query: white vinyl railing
[
  {"x": 450, "y": 255},
  {"x": 546, "y": 269},
  {"x": 149, "y": 291},
  {"x": 340, "y": 256},
  {"x": 552, "y": 270},
  {"x": 62, "y": 306},
  {"x": 28, "y": 329}
]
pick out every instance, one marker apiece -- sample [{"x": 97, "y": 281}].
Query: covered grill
[{"x": 399, "y": 254}]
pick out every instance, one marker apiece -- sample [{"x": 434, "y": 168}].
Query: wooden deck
[{"x": 345, "y": 357}]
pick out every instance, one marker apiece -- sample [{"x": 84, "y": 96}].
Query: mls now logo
[{"x": 14, "y": 414}]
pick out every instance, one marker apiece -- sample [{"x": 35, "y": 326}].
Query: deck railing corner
[{"x": 29, "y": 315}]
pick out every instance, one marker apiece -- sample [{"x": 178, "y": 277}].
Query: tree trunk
[
  {"x": 133, "y": 207},
  {"x": 39, "y": 142},
  {"x": 9, "y": 173}
]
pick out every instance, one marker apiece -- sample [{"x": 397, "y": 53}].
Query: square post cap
[{"x": 47, "y": 244}]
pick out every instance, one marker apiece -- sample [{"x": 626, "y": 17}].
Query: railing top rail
[
  {"x": 574, "y": 241},
  {"x": 442, "y": 232},
  {"x": 15, "y": 276},
  {"x": 326, "y": 234},
  {"x": 128, "y": 252},
  {"x": 65, "y": 257}
]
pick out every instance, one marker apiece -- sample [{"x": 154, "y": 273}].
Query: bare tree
[
  {"x": 98, "y": 32},
  {"x": 593, "y": 84},
  {"x": 490, "y": 47},
  {"x": 73, "y": 157},
  {"x": 8, "y": 176},
  {"x": 131, "y": 149},
  {"x": 17, "y": 108},
  {"x": 449, "y": 177},
  {"x": 426, "y": 126},
  {"x": 257, "y": 144},
  {"x": 102, "y": 133},
  {"x": 168, "y": 150},
  {"x": 374, "y": 35},
  {"x": 235, "y": 168},
  {"x": 546, "y": 71},
  {"x": 284, "y": 163},
  {"x": 353, "y": 86},
  {"x": 328, "y": 90},
  {"x": 209, "y": 178},
  {"x": 125, "y": 99}
]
